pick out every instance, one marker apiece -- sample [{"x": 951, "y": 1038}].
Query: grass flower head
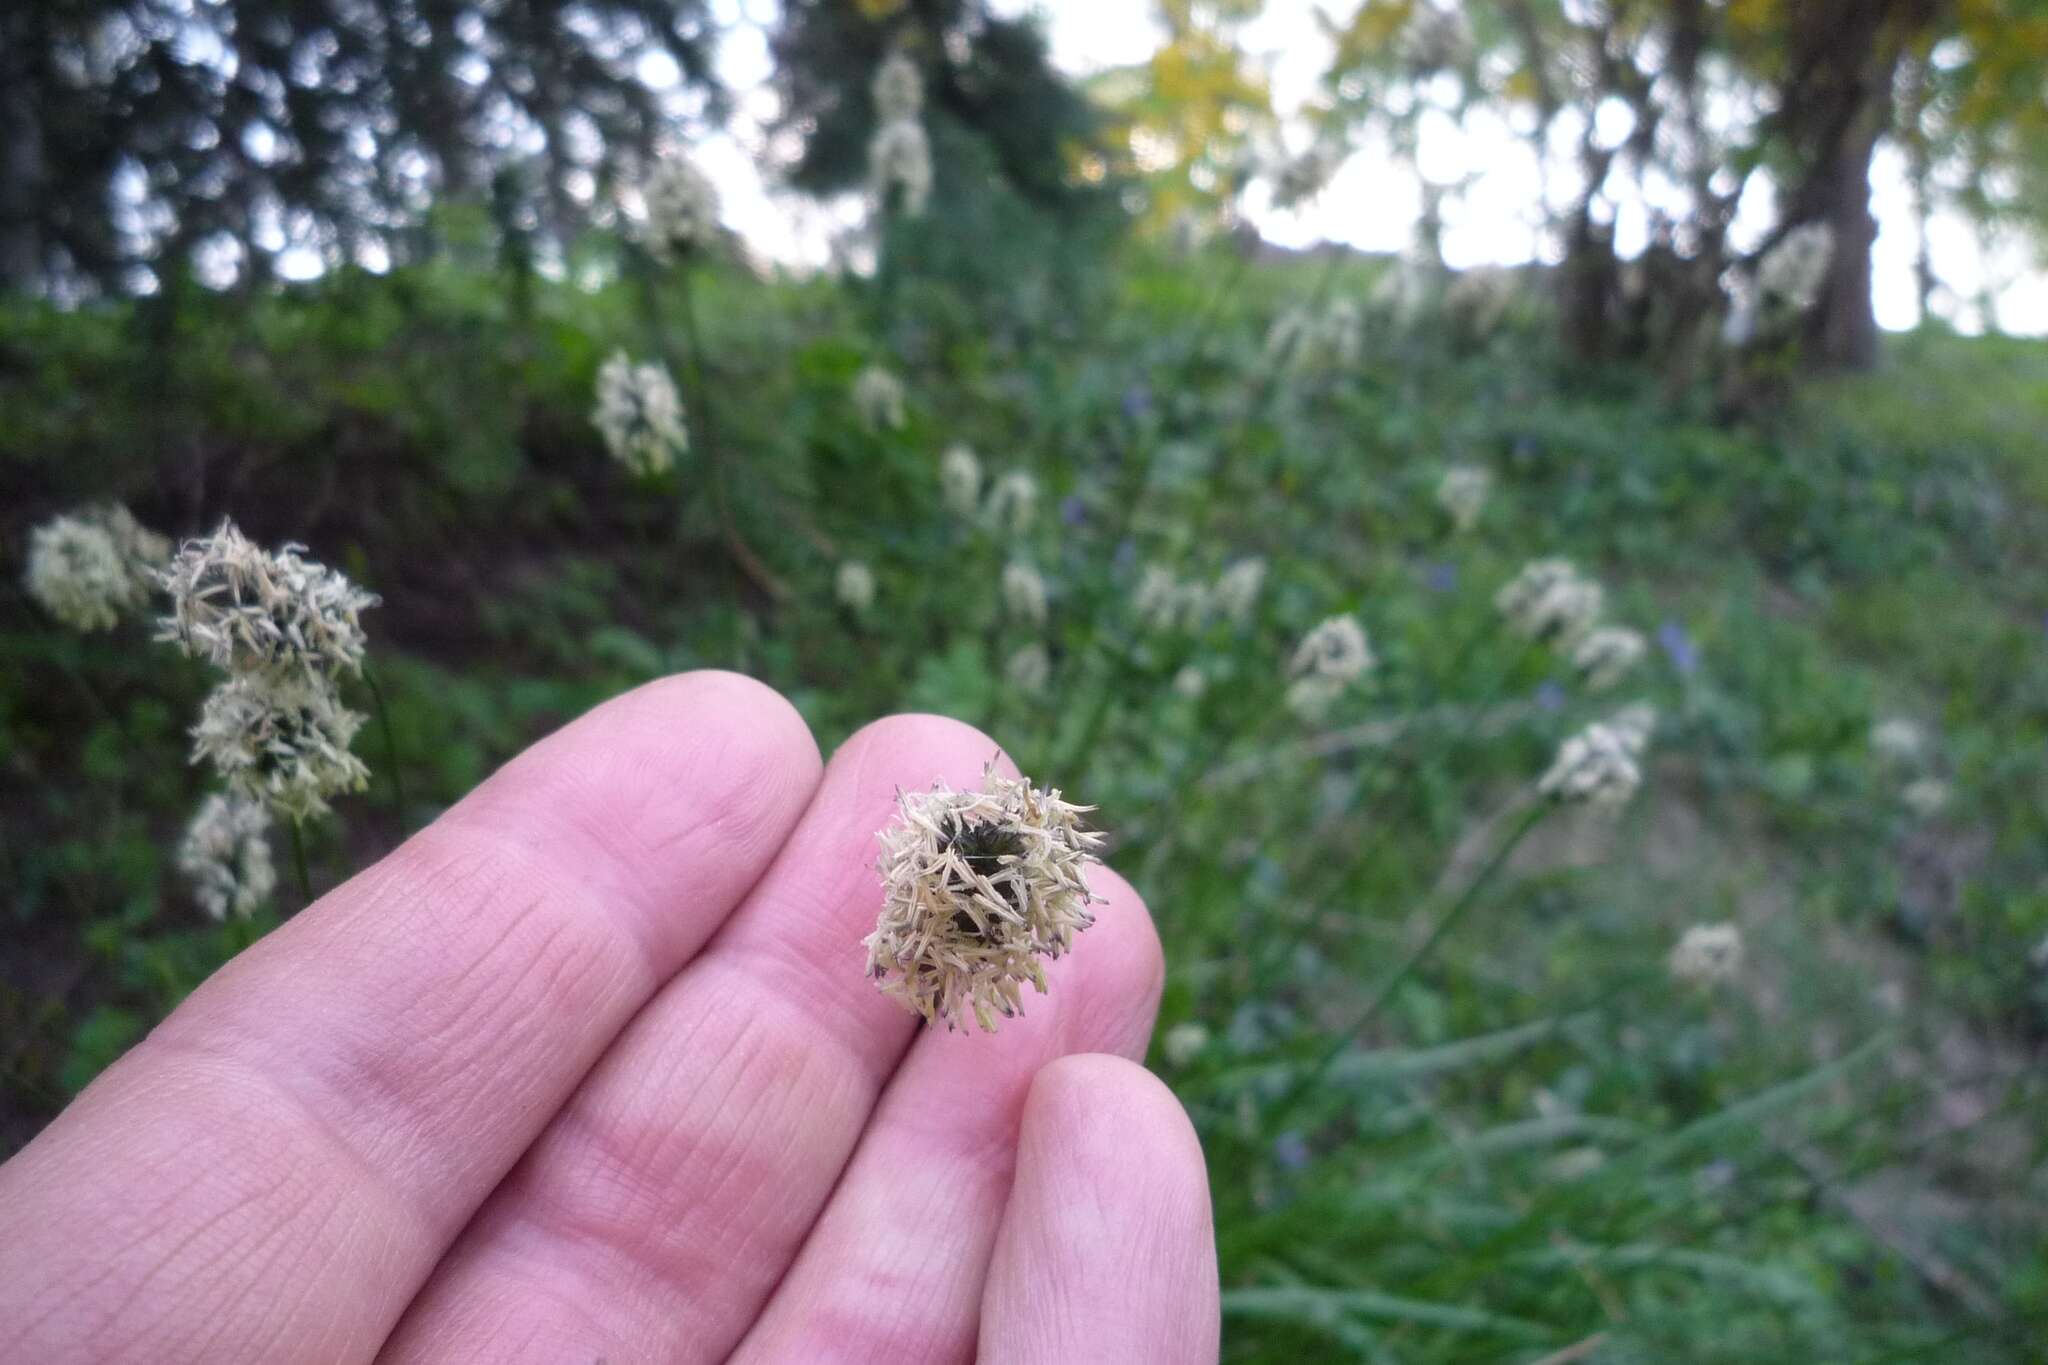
[
  {"x": 246, "y": 609},
  {"x": 1596, "y": 766},
  {"x": 682, "y": 209},
  {"x": 855, "y": 585},
  {"x": 640, "y": 415},
  {"x": 1707, "y": 955},
  {"x": 878, "y": 397},
  {"x": 77, "y": 573},
  {"x": 960, "y": 480},
  {"x": 282, "y": 741},
  {"x": 1605, "y": 655},
  {"x": 1462, "y": 494},
  {"x": 900, "y": 161},
  {"x": 225, "y": 855},
  {"x": 980, "y": 889}
]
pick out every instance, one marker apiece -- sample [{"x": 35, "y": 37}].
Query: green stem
[
  {"x": 717, "y": 476},
  {"x": 299, "y": 863},
  {"x": 391, "y": 765},
  {"x": 1416, "y": 957}
]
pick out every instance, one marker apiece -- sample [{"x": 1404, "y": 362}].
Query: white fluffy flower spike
[
  {"x": 682, "y": 209},
  {"x": 878, "y": 397},
  {"x": 1329, "y": 659},
  {"x": 1606, "y": 655},
  {"x": 980, "y": 889},
  {"x": 1024, "y": 592},
  {"x": 283, "y": 741},
  {"x": 1707, "y": 955},
  {"x": 898, "y": 88},
  {"x": 1549, "y": 600},
  {"x": 1596, "y": 766},
  {"x": 1462, "y": 494},
  {"x": 900, "y": 159},
  {"x": 76, "y": 572},
  {"x": 960, "y": 480},
  {"x": 855, "y": 585},
  {"x": 1013, "y": 502},
  {"x": 225, "y": 854},
  {"x": 246, "y": 609},
  {"x": 640, "y": 415}
]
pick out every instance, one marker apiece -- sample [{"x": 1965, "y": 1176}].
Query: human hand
[{"x": 588, "y": 1070}]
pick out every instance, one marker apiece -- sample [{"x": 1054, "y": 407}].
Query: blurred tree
[
  {"x": 984, "y": 75},
  {"x": 1693, "y": 100},
  {"x": 1187, "y": 119},
  {"x": 143, "y": 135}
]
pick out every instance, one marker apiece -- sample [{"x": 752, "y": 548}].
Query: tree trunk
[{"x": 1841, "y": 331}]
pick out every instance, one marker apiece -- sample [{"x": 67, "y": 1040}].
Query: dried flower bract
[{"x": 981, "y": 888}]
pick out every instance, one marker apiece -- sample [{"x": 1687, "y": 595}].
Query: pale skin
[{"x": 588, "y": 1071}]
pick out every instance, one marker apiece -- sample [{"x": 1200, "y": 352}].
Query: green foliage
[{"x": 1528, "y": 1139}]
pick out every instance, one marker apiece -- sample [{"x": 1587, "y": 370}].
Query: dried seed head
[
  {"x": 682, "y": 209},
  {"x": 281, "y": 739},
  {"x": 979, "y": 889},
  {"x": 1606, "y": 655},
  {"x": 878, "y": 398},
  {"x": 1707, "y": 955},
  {"x": 1462, "y": 494},
  {"x": 225, "y": 854},
  {"x": 640, "y": 415},
  {"x": 246, "y": 609},
  {"x": 1596, "y": 766}
]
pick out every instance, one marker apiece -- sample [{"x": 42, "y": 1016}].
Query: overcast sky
[{"x": 1375, "y": 199}]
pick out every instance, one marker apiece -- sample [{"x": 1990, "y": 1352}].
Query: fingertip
[
  {"x": 910, "y": 739},
  {"x": 1112, "y": 1121}
]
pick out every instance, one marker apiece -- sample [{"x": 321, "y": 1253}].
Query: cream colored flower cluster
[
  {"x": 900, "y": 155},
  {"x": 284, "y": 629},
  {"x": 1328, "y": 660},
  {"x": 1164, "y": 601},
  {"x": 640, "y": 415},
  {"x": 878, "y": 397},
  {"x": 1707, "y": 955},
  {"x": 1550, "y": 601},
  {"x": 246, "y": 609},
  {"x": 225, "y": 854},
  {"x": 1462, "y": 493},
  {"x": 93, "y": 567},
  {"x": 1601, "y": 764},
  {"x": 980, "y": 889},
  {"x": 682, "y": 209}
]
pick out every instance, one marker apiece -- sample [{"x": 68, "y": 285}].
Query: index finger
[{"x": 274, "y": 1171}]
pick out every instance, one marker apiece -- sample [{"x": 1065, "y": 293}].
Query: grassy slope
[{"x": 1541, "y": 1141}]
